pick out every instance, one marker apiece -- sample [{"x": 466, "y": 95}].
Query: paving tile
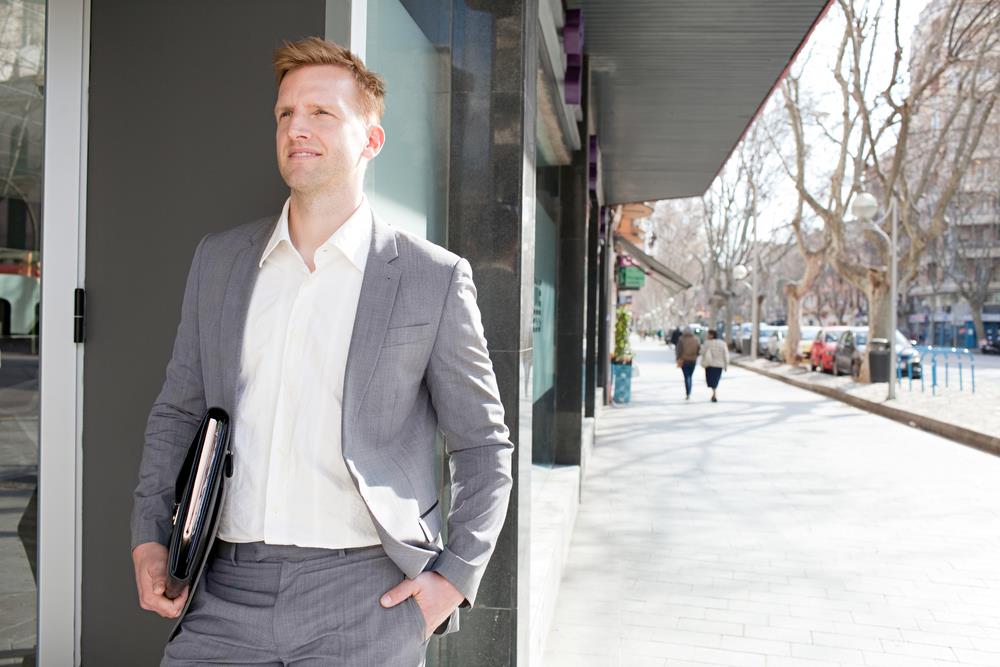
[
  {"x": 715, "y": 627},
  {"x": 893, "y": 660},
  {"x": 984, "y": 658},
  {"x": 781, "y": 661},
  {"x": 830, "y": 653},
  {"x": 928, "y": 651}
]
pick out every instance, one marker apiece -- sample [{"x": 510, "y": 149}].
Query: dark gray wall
[{"x": 181, "y": 143}]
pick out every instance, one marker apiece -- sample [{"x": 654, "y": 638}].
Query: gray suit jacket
[{"x": 417, "y": 363}]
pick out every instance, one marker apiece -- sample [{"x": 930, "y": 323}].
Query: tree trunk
[
  {"x": 794, "y": 293},
  {"x": 728, "y": 333},
  {"x": 790, "y": 350},
  {"x": 879, "y": 305},
  {"x": 977, "y": 320}
]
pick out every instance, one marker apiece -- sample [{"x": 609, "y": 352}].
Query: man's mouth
[{"x": 302, "y": 154}]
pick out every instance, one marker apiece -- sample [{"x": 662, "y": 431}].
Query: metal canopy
[
  {"x": 667, "y": 276},
  {"x": 677, "y": 82}
]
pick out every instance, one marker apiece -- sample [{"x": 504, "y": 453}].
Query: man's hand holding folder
[
  {"x": 164, "y": 576},
  {"x": 150, "y": 561}
]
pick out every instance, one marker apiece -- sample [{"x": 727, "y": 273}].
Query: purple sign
[
  {"x": 573, "y": 45},
  {"x": 592, "y": 164}
]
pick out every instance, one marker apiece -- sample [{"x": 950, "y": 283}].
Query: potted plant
[{"x": 621, "y": 358}]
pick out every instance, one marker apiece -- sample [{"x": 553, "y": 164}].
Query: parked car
[
  {"x": 823, "y": 348},
  {"x": 742, "y": 341},
  {"x": 851, "y": 348},
  {"x": 763, "y": 334},
  {"x": 746, "y": 335},
  {"x": 775, "y": 341},
  {"x": 699, "y": 330},
  {"x": 807, "y": 336},
  {"x": 734, "y": 336},
  {"x": 906, "y": 353},
  {"x": 990, "y": 346}
]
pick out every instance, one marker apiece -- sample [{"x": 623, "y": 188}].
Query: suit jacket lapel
[
  {"x": 378, "y": 294},
  {"x": 235, "y": 304}
]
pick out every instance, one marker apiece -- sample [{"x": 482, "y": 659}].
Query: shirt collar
[{"x": 353, "y": 238}]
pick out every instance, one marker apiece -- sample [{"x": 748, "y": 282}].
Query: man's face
[{"x": 324, "y": 139}]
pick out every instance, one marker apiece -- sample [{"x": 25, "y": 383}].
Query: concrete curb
[{"x": 965, "y": 436}]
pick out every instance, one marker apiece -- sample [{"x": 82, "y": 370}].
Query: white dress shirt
[{"x": 290, "y": 484}]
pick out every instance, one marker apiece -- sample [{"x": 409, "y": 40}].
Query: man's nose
[{"x": 298, "y": 126}]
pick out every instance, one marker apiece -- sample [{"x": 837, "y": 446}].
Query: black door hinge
[{"x": 79, "y": 315}]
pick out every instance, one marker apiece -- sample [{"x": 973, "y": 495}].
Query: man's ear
[{"x": 376, "y": 139}]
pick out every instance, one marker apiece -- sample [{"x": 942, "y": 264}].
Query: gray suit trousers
[{"x": 262, "y": 604}]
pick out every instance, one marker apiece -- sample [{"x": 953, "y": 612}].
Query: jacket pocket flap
[{"x": 407, "y": 334}]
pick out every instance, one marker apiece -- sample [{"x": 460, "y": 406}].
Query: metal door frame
[{"x": 67, "y": 48}]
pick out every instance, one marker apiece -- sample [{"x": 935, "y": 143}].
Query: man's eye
[
  {"x": 284, "y": 114},
  {"x": 323, "y": 112}
]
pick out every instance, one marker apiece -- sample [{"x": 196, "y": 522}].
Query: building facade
[{"x": 954, "y": 299}]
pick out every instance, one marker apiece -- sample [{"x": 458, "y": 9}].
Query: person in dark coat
[
  {"x": 675, "y": 335},
  {"x": 687, "y": 350}
]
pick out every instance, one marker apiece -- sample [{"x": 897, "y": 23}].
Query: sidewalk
[
  {"x": 776, "y": 527},
  {"x": 959, "y": 414}
]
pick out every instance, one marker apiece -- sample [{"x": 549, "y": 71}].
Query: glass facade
[
  {"x": 407, "y": 184},
  {"x": 544, "y": 317},
  {"x": 22, "y": 95}
]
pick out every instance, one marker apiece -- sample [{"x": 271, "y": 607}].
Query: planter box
[{"x": 622, "y": 375}]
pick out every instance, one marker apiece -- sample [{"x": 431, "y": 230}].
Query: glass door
[{"x": 22, "y": 96}]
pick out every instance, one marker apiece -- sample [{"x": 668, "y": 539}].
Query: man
[{"x": 339, "y": 346}]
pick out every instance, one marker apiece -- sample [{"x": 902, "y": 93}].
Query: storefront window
[
  {"x": 22, "y": 49},
  {"x": 544, "y": 323},
  {"x": 407, "y": 184}
]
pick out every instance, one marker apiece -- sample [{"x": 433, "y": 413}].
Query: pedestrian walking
[
  {"x": 330, "y": 546},
  {"x": 675, "y": 336},
  {"x": 715, "y": 359},
  {"x": 686, "y": 351}
]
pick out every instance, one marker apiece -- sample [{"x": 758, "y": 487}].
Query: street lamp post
[
  {"x": 865, "y": 206},
  {"x": 740, "y": 272},
  {"x": 754, "y": 313}
]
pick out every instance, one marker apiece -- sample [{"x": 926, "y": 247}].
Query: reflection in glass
[
  {"x": 543, "y": 370},
  {"x": 407, "y": 184},
  {"x": 22, "y": 49}
]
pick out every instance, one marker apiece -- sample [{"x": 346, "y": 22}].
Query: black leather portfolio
[{"x": 198, "y": 500}]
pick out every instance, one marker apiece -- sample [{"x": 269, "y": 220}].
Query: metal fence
[{"x": 958, "y": 358}]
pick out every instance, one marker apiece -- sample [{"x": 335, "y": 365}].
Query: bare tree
[
  {"x": 813, "y": 256},
  {"x": 838, "y": 296},
  {"x": 732, "y": 209},
  {"x": 674, "y": 236},
  {"x": 875, "y": 146}
]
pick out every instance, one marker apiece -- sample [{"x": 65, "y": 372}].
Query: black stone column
[
  {"x": 491, "y": 222},
  {"x": 571, "y": 306},
  {"x": 593, "y": 281},
  {"x": 605, "y": 307}
]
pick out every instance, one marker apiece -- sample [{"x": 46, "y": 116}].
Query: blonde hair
[{"x": 317, "y": 51}]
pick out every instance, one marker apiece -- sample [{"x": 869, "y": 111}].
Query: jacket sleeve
[
  {"x": 172, "y": 422},
  {"x": 464, "y": 393}
]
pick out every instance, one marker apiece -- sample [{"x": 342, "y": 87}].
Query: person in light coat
[{"x": 715, "y": 359}]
